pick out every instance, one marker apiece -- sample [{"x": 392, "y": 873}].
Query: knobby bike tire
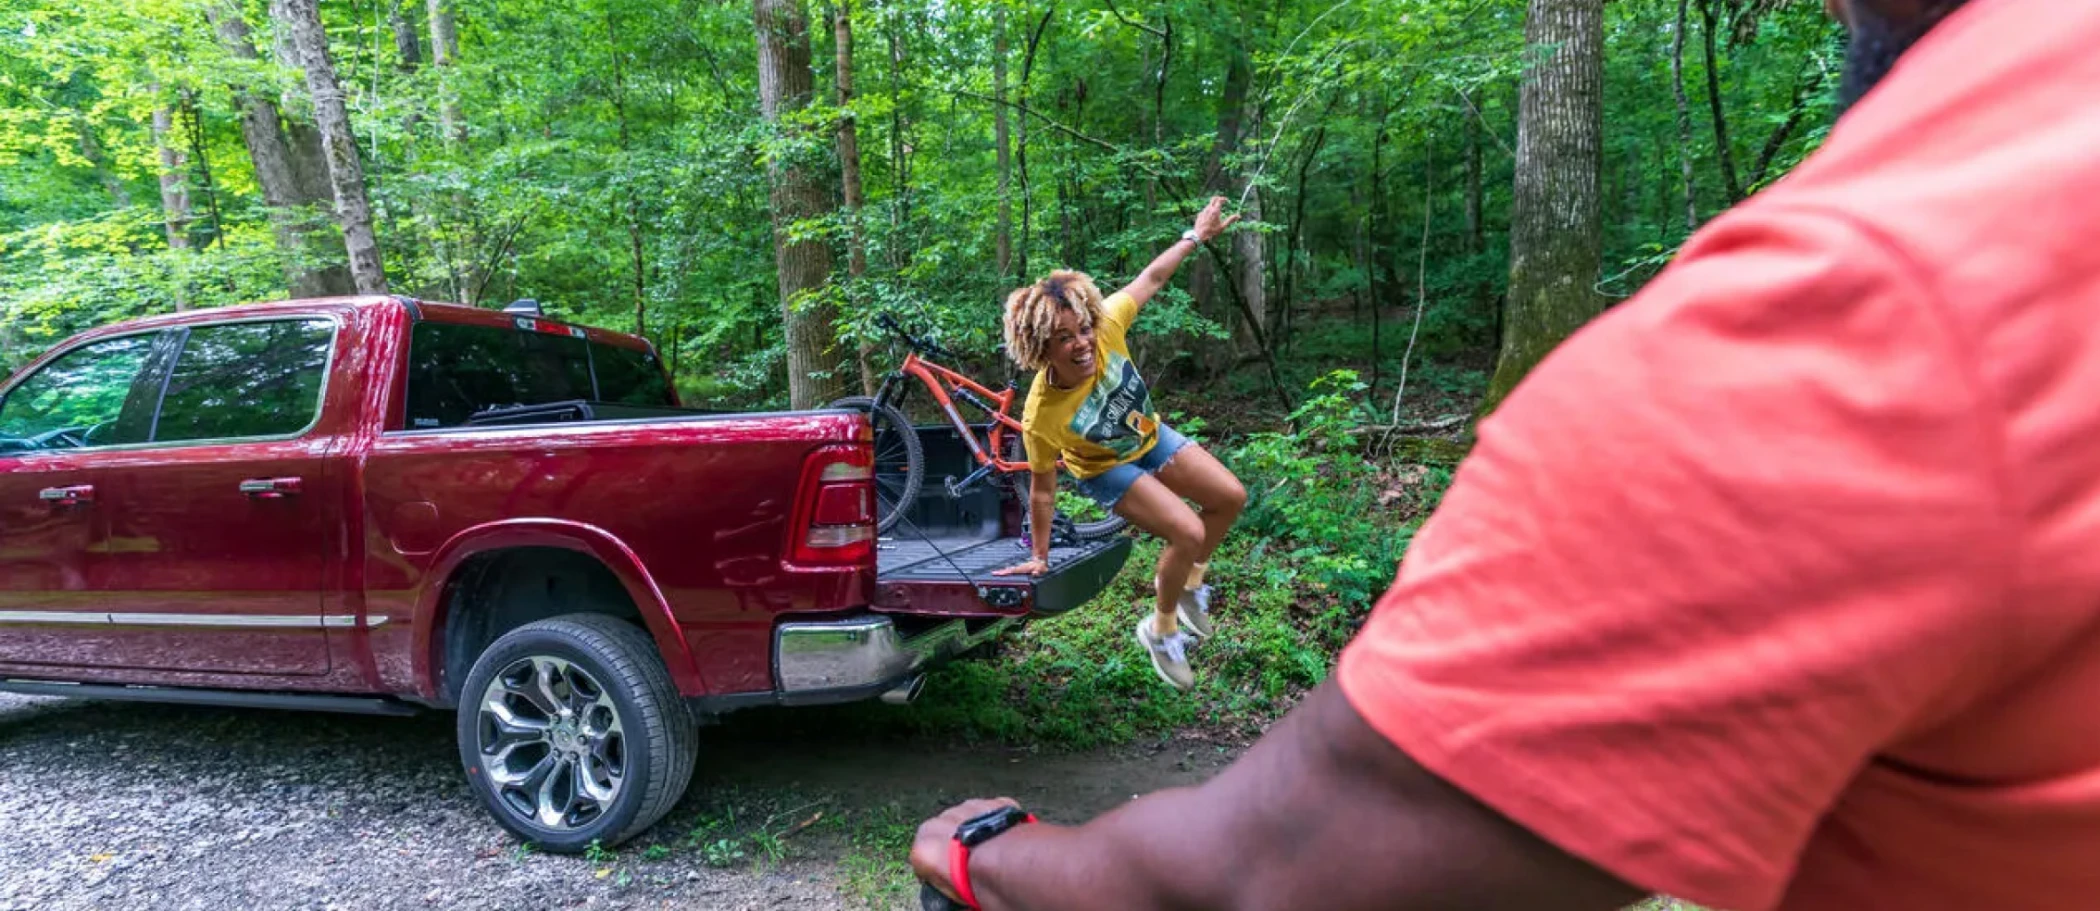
[{"x": 900, "y": 462}]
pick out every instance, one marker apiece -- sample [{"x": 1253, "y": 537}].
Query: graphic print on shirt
[{"x": 1117, "y": 414}]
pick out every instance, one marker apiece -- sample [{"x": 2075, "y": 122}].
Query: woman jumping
[{"x": 1089, "y": 407}]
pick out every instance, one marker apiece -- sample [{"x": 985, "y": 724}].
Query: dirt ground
[{"x": 124, "y": 805}]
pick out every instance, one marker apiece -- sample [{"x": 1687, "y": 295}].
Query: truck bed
[{"x": 940, "y": 557}]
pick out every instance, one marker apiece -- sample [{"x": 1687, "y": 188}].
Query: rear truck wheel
[
  {"x": 900, "y": 463},
  {"x": 571, "y": 732}
]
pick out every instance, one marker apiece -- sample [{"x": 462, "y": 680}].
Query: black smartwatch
[
  {"x": 978, "y": 830},
  {"x": 982, "y": 828}
]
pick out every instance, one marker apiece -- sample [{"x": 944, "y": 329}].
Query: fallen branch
[{"x": 1440, "y": 425}]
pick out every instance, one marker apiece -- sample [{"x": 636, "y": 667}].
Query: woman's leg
[
  {"x": 1149, "y": 505},
  {"x": 1197, "y": 475}
]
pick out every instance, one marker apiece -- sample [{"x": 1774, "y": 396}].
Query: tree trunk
[
  {"x": 1373, "y": 261},
  {"x": 174, "y": 186},
  {"x": 1003, "y": 142},
  {"x": 785, "y": 86},
  {"x": 90, "y": 149},
  {"x": 346, "y": 174},
  {"x": 1250, "y": 245},
  {"x": 202, "y": 154},
  {"x": 1555, "y": 226},
  {"x": 849, "y": 170},
  {"x": 1035, "y": 39},
  {"x": 1777, "y": 141},
  {"x": 444, "y": 54},
  {"x": 900, "y": 150},
  {"x": 1723, "y": 150},
  {"x": 1232, "y": 106},
  {"x": 1476, "y": 240},
  {"x": 409, "y": 52},
  {"x": 304, "y": 250},
  {"x": 1684, "y": 118}
]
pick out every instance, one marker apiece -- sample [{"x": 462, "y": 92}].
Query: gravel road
[{"x": 123, "y": 805}]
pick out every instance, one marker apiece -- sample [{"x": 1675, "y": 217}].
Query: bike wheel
[{"x": 900, "y": 464}]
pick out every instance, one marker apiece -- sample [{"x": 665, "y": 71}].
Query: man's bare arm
[{"x": 1322, "y": 813}]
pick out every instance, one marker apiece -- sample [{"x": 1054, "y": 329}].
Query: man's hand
[
  {"x": 1324, "y": 811},
  {"x": 1035, "y": 566},
  {"x": 1209, "y": 222},
  {"x": 930, "y": 848}
]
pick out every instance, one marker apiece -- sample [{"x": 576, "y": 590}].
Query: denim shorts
[{"x": 1108, "y": 487}]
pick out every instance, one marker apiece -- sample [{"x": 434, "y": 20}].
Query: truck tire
[{"x": 572, "y": 734}]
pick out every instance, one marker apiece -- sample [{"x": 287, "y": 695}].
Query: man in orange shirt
[{"x": 1775, "y": 587}]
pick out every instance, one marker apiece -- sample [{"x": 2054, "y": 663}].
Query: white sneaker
[
  {"x": 1170, "y": 654},
  {"x": 1194, "y": 611}
]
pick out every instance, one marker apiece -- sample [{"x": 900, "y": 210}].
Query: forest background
[{"x": 1434, "y": 193}]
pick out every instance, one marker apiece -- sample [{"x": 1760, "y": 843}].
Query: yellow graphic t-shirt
[{"x": 1101, "y": 423}]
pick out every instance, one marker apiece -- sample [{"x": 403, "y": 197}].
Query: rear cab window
[
  {"x": 237, "y": 381},
  {"x": 458, "y": 371}
]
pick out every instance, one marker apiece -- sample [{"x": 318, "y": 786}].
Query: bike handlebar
[{"x": 915, "y": 343}]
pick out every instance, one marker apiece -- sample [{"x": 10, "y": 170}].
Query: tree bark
[
  {"x": 90, "y": 149},
  {"x": 444, "y": 54},
  {"x": 1779, "y": 137},
  {"x": 1555, "y": 226},
  {"x": 1723, "y": 149},
  {"x": 1476, "y": 239},
  {"x": 1002, "y": 140},
  {"x": 409, "y": 53},
  {"x": 202, "y": 154},
  {"x": 1250, "y": 246},
  {"x": 346, "y": 174},
  {"x": 849, "y": 169},
  {"x": 1684, "y": 118},
  {"x": 636, "y": 261},
  {"x": 785, "y": 86},
  {"x": 1035, "y": 39},
  {"x": 308, "y": 272},
  {"x": 174, "y": 184},
  {"x": 900, "y": 150},
  {"x": 1232, "y": 106}
]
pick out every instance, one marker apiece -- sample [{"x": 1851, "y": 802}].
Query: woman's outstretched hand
[
  {"x": 1034, "y": 567},
  {"x": 1211, "y": 222}
]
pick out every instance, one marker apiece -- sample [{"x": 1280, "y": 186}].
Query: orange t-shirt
[{"x": 1779, "y": 585}]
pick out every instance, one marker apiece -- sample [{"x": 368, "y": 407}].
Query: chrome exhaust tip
[{"x": 905, "y": 693}]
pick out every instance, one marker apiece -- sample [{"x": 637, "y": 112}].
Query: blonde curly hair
[{"x": 1031, "y": 314}]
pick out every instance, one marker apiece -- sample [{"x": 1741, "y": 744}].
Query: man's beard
[{"x": 1877, "y": 44}]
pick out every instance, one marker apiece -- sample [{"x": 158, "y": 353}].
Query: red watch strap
[
  {"x": 959, "y": 874},
  {"x": 959, "y": 869}
]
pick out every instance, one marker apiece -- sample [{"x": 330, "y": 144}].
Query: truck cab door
[
  {"x": 60, "y": 426},
  {"x": 218, "y": 528}
]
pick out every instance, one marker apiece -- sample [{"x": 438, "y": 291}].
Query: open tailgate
[{"x": 953, "y": 577}]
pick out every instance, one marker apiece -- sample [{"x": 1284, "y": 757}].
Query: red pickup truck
[{"x": 384, "y": 505}]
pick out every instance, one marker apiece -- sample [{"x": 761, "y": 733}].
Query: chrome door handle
[
  {"x": 67, "y": 496},
  {"x": 270, "y": 488}
]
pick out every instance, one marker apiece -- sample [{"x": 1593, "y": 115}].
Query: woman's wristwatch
[{"x": 1192, "y": 236}]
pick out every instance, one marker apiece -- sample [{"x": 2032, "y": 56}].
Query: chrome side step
[{"x": 301, "y": 702}]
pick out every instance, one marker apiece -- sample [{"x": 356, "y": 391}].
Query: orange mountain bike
[{"x": 900, "y": 466}]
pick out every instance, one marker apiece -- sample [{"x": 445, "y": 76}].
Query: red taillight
[{"x": 835, "y": 508}]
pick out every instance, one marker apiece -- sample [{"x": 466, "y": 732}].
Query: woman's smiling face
[{"x": 1071, "y": 349}]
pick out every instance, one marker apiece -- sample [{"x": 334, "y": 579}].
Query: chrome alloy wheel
[{"x": 551, "y": 743}]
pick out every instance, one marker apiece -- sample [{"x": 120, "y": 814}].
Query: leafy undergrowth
[{"x": 1320, "y": 540}]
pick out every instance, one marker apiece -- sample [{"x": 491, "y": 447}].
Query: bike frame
[{"x": 940, "y": 380}]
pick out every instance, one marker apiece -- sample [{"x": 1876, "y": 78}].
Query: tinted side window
[
  {"x": 630, "y": 377},
  {"x": 246, "y": 380},
  {"x": 456, "y": 371},
  {"x": 75, "y": 400}
]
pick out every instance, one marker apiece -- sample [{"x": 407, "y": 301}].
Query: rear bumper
[{"x": 861, "y": 658}]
